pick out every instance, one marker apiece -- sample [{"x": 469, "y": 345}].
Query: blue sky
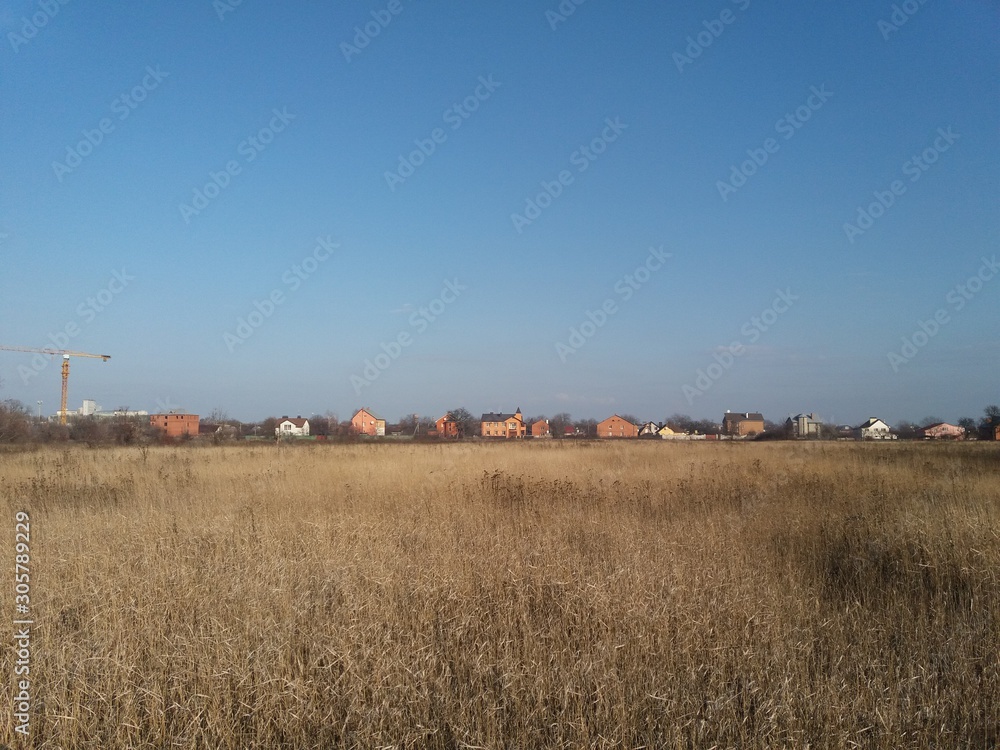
[{"x": 354, "y": 194}]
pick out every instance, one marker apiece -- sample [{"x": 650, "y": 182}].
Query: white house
[
  {"x": 292, "y": 427},
  {"x": 650, "y": 428},
  {"x": 874, "y": 429}
]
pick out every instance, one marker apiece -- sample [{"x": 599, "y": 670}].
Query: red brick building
[
  {"x": 616, "y": 427},
  {"x": 540, "y": 429},
  {"x": 175, "y": 424},
  {"x": 446, "y": 427},
  {"x": 365, "y": 423}
]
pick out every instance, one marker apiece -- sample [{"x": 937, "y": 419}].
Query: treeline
[{"x": 19, "y": 425}]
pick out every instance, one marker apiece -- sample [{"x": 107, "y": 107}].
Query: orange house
[
  {"x": 616, "y": 427},
  {"x": 447, "y": 427},
  {"x": 365, "y": 423},
  {"x": 540, "y": 428},
  {"x": 745, "y": 424},
  {"x": 175, "y": 424},
  {"x": 503, "y": 425}
]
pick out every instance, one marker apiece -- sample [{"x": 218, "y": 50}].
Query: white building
[
  {"x": 874, "y": 429},
  {"x": 91, "y": 408},
  {"x": 292, "y": 427}
]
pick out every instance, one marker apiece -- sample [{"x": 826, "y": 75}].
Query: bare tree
[
  {"x": 969, "y": 425},
  {"x": 468, "y": 425},
  {"x": 559, "y": 423},
  {"x": 15, "y": 422}
]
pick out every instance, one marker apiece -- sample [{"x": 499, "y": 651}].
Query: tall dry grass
[{"x": 512, "y": 596}]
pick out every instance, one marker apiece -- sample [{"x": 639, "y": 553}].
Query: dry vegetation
[{"x": 515, "y": 596}]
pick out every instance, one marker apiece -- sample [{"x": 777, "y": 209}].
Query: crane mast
[{"x": 65, "y": 354}]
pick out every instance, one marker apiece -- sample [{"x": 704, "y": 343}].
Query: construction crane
[{"x": 65, "y": 367}]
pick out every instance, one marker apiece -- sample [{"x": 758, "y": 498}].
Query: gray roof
[
  {"x": 492, "y": 417},
  {"x": 739, "y": 416}
]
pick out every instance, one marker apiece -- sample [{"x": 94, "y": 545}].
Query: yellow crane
[{"x": 65, "y": 367}]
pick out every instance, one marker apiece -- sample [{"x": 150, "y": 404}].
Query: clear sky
[{"x": 294, "y": 208}]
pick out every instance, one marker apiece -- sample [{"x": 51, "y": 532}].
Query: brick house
[
  {"x": 365, "y": 423},
  {"x": 507, "y": 426},
  {"x": 942, "y": 431},
  {"x": 176, "y": 424},
  {"x": 540, "y": 429},
  {"x": 616, "y": 427},
  {"x": 742, "y": 424},
  {"x": 446, "y": 427},
  {"x": 292, "y": 427}
]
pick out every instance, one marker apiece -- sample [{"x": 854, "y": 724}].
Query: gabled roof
[
  {"x": 741, "y": 416},
  {"x": 619, "y": 416},
  {"x": 369, "y": 412},
  {"x": 297, "y": 421},
  {"x": 872, "y": 421},
  {"x": 498, "y": 417}
]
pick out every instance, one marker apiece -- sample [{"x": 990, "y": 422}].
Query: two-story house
[
  {"x": 803, "y": 426},
  {"x": 364, "y": 422},
  {"x": 500, "y": 425},
  {"x": 874, "y": 429},
  {"x": 742, "y": 424},
  {"x": 292, "y": 427},
  {"x": 617, "y": 427}
]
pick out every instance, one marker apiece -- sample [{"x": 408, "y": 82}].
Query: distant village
[{"x": 90, "y": 422}]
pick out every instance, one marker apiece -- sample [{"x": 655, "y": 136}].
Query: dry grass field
[{"x": 560, "y": 595}]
